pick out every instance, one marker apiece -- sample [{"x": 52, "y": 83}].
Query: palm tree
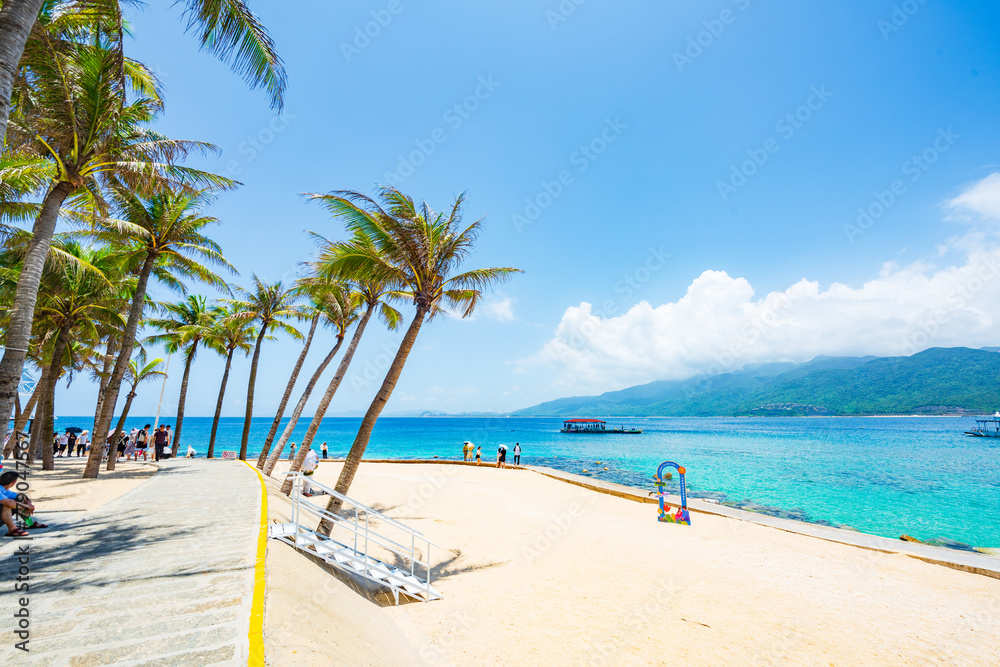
[
  {"x": 71, "y": 111},
  {"x": 372, "y": 295},
  {"x": 340, "y": 305},
  {"x": 160, "y": 236},
  {"x": 414, "y": 250},
  {"x": 227, "y": 28},
  {"x": 280, "y": 412},
  {"x": 267, "y": 305},
  {"x": 191, "y": 321},
  {"x": 227, "y": 335},
  {"x": 76, "y": 295},
  {"x": 138, "y": 371}
]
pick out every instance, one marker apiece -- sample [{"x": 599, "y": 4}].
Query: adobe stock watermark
[
  {"x": 580, "y": 159},
  {"x": 899, "y": 17},
  {"x": 986, "y": 271},
  {"x": 363, "y": 35},
  {"x": 257, "y": 143},
  {"x": 714, "y": 28},
  {"x": 562, "y": 12},
  {"x": 914, "y": 169},
  {"x": 453, "y": 117},
  {"x": 786, "y": 126}
]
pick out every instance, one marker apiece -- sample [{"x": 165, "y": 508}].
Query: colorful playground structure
[{"x": 681, "y": 515}]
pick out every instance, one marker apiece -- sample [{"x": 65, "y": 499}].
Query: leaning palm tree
[
  {"x": 161, "y": 237},
  {"x": 267, "y": 305},
  {"x": 71, "y": 111},
  {"x": 316, "y": 315},
  {"x": 227, "y": 335},
  {"x": 139, "y": 370},
  {"x": 416, "y": 251},
  {"x": 341, "y": 307},
  {"x": 371, "y": 294},
  {"x": 227, "y": 28},
  {"x": 186, "y": 324}
]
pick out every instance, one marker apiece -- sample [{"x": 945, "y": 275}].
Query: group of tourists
[
  {"x": 136, "y": 443},
  {"x": 469, "y": 451},
  {"x": 64, "y": 444}
]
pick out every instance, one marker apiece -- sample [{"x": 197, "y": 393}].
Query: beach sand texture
[{"x": 537, "y": 571}]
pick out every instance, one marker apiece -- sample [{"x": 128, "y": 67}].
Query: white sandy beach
[{"x": 537, "y": 571}]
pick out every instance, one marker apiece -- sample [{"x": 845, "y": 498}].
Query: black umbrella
[{"x": 74, "y": 429}]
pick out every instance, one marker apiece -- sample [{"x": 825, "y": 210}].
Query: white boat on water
[{"x": 988, "y": 427}]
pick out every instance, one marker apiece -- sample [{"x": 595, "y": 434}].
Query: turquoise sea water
[{"x": 882, "y": 475}]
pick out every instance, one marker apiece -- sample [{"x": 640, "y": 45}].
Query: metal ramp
[{"x": 353, "y": 540}]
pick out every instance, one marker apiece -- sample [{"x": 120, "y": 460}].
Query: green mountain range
[{"x": 936, "y": 381}]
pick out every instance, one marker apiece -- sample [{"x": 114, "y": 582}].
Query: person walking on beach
[
  {"x": 142, "y": 442},
  {"x": 167, "y": 452},
  {"x": 63, "y": 440},
  {"x": 81, "y": 443},
  {"x": 70, "y": 443},
  {"x": 291, "y": 452},
  {"x": 309, "y": 466},
  {"x": 517, "y": 453},
  {"x": 322, "y": 449},
  {"x": 501, "y": 457},
  {"x": 479, "y": 454},
  {"x": 159, "y": 441}
]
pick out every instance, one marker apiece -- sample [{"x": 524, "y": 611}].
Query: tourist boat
[
  {"x": 593, "y": 426},
  {"x": 987, "y": 428}
]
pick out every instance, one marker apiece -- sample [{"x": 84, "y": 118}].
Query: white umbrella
[
  {"x": 466, "y": 443},
  {"x": 503, "y": 447}
]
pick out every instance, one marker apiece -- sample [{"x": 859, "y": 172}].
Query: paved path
[{"x": 161, "y": 576}]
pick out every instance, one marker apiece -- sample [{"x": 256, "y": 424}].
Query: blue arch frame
[{"x": 682, "y": 515}]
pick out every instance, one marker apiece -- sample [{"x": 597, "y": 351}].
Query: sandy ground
[
  {"x": 62, "y": 489},
  {"x": 537, "y": 571}
]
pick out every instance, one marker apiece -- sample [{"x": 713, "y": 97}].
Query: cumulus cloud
[{"x": 720, "y": 324}]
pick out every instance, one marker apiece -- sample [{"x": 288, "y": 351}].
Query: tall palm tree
[
  {"x": 160, "y": 236},
  {"x": 188, "y": 322},
  {"x": 76, "y": 295},
  {"x": 372, "y": 294},
  {"x": 296, "y": 369},
  {"x": 267, "y": 305},
  {"x": 228, "y": 334},
  {"x": 416, "y": 251},
  {"x": 139, "y": 370},
  {"x": 71, "y": 111},
  {"x": 340, "y": 305},
  {"x": 227, "y": 28}
]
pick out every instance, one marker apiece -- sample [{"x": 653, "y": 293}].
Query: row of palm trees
[{"x": 79, "y": 148}]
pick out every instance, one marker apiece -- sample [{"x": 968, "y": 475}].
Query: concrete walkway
[{"x": 161, "y": 576}]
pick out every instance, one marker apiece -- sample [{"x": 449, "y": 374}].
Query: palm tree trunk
[
  {"x": 16, "y": 19},
  {"x": 37, "y": 433},
  {"x": 49, "y": 395},
  {"x": 109, "y": 360},
  {"x": 275, "y": 456},
  {"x": 300, "y": 406},
  {"x": 183, "y": 398},
  {"x": 288, "y": 394},
  {"x": 121, "y": 365},
  {"x": 218, "y": 404},
  {"x": 250, "y": 388},
  {"x": 22, "y": 312},
  {"x": 113, "y": 449},
  {"x": 22, "y": 420},
  {"x": 350, "y": 468}
]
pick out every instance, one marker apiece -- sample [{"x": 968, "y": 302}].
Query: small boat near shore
[
  {"x": 987, "y": 428},
  {"x": 593, "y": 426}
]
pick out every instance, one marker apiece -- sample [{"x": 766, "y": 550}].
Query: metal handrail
[
  {"x": 369, "y": 510},
  {"x": 355, "y": 527}
]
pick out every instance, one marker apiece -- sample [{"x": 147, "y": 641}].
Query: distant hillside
[{"x": 935, "y": 381}]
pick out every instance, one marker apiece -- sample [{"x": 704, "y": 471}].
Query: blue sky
[{"x": 633, "y": 115}]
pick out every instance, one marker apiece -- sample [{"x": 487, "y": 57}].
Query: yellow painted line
[{"x": 256, "y": 633}]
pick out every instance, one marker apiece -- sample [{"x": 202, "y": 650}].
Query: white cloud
[
  {"x": 499, "y": 308},
  {"x": 981, "y": 199},
  {"x": 719, "y": 325}
]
